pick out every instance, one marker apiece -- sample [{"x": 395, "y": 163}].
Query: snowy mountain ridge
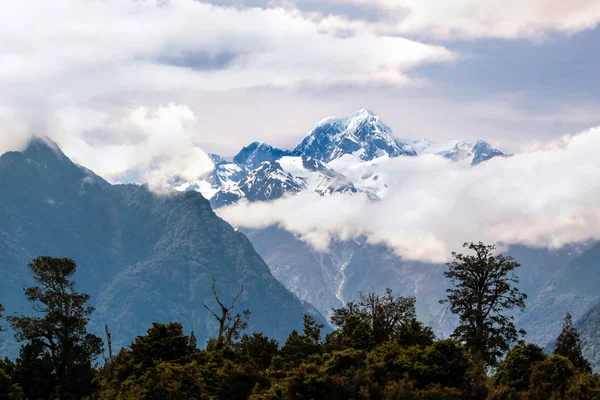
[
  {"x": 337, "y": 156},
  {"x": 362, "y": 133}
]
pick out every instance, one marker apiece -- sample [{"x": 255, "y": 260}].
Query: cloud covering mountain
[{"x": 542, "y": 198}]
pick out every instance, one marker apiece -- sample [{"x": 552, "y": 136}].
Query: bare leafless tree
[{"x": 228, "y": 326}]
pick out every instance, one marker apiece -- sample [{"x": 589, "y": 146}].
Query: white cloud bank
[
  {"x": 144, "y": 145},
  {"x": 545, "y": 198},
  {"x": 153, "y": 145},
  {"x": 103, "y": 46},
  {"x": 82, "y": 71},
  {"x": 468, "y": 19}
]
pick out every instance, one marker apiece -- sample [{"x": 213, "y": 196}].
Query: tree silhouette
[
  {"x": 109, "y": 343},
  {"x": 568, "y": 345},
  {"x": 58, "y": 340},
  {"x": 483, "y": 291},
  {"x": 230, "y": 327},
  {"x": 1, "y": 316}
]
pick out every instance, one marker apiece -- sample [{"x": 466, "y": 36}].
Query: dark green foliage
[
  {"x": 163, "y": 343},
  {"x": 584, "y": 387},
  {"x": 298, "y": 347},
  {"x": 414, "y": 333},
  {"x": 34, "y": 372},
  {"x": 515, "y": 370},
  {"x": 551, "y": 377},
  {"x": 355, "y": 332},
  {"x": 568, "y": 345},
  {"x": 162, "y": 353},
  {"x": 57, "y": 342},
  {"x": 164, "y": 364},
  {"x": 444, "y": 363},
  {"x": 257, "y": 350},
  {"x": 483, "y": 291},
  {"x": 376, "y": 319},
  {"x": 9, "y": 390}
]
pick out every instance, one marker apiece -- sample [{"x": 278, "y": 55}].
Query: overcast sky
[{"x": 516, "y": 73}]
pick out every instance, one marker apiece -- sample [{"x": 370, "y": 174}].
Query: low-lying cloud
[
  {"x": 543, "y": 198},
  {"x": 146, "y": 145},
  {"x": 143, "y": 145}
]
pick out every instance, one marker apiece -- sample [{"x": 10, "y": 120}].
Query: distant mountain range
[
  {"x": 142, "y": 257},
  {"x": 336, "y": 156},
  {"x": 145, "y": 257},
  {"x": 319, "y": 163}
]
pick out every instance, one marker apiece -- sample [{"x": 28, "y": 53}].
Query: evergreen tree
[
  {"x": 483, "y": 291},
  {"x": 299, "y": 346},
  {"x": 568, "y": 345},
  {"x": 163, "y": 342},
  {"x": 193, "y": 340},
  {"x": 257, "y": 350},
  {"x": 58, "y": 345}
]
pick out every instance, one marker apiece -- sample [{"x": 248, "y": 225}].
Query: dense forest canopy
[{"x": 378, "y": 351}]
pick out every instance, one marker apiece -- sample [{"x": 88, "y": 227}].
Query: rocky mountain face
[{"x": 142, "y": 257}]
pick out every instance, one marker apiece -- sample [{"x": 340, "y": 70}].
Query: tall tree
[
  {"x": 482, "y": 293},
  {"x": 1, "y": 316},
  {"x": 568, "y": 345},
  {"x": 108, "y": 343},
  {"x": 58, "y": 339}
]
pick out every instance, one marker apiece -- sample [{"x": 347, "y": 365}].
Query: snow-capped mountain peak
[
  {"x": 351, "y": 120},
  {"x": 362, "y": 133},
  {"x": 456, "y": 150},
  {"x": 340, "y": 155}
]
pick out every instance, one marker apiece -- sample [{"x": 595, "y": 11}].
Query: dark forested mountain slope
[
  {"x": 574, "y": 288},
  {"x": 143, "y": 257},
  {"x": 589, "y": 332}
]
